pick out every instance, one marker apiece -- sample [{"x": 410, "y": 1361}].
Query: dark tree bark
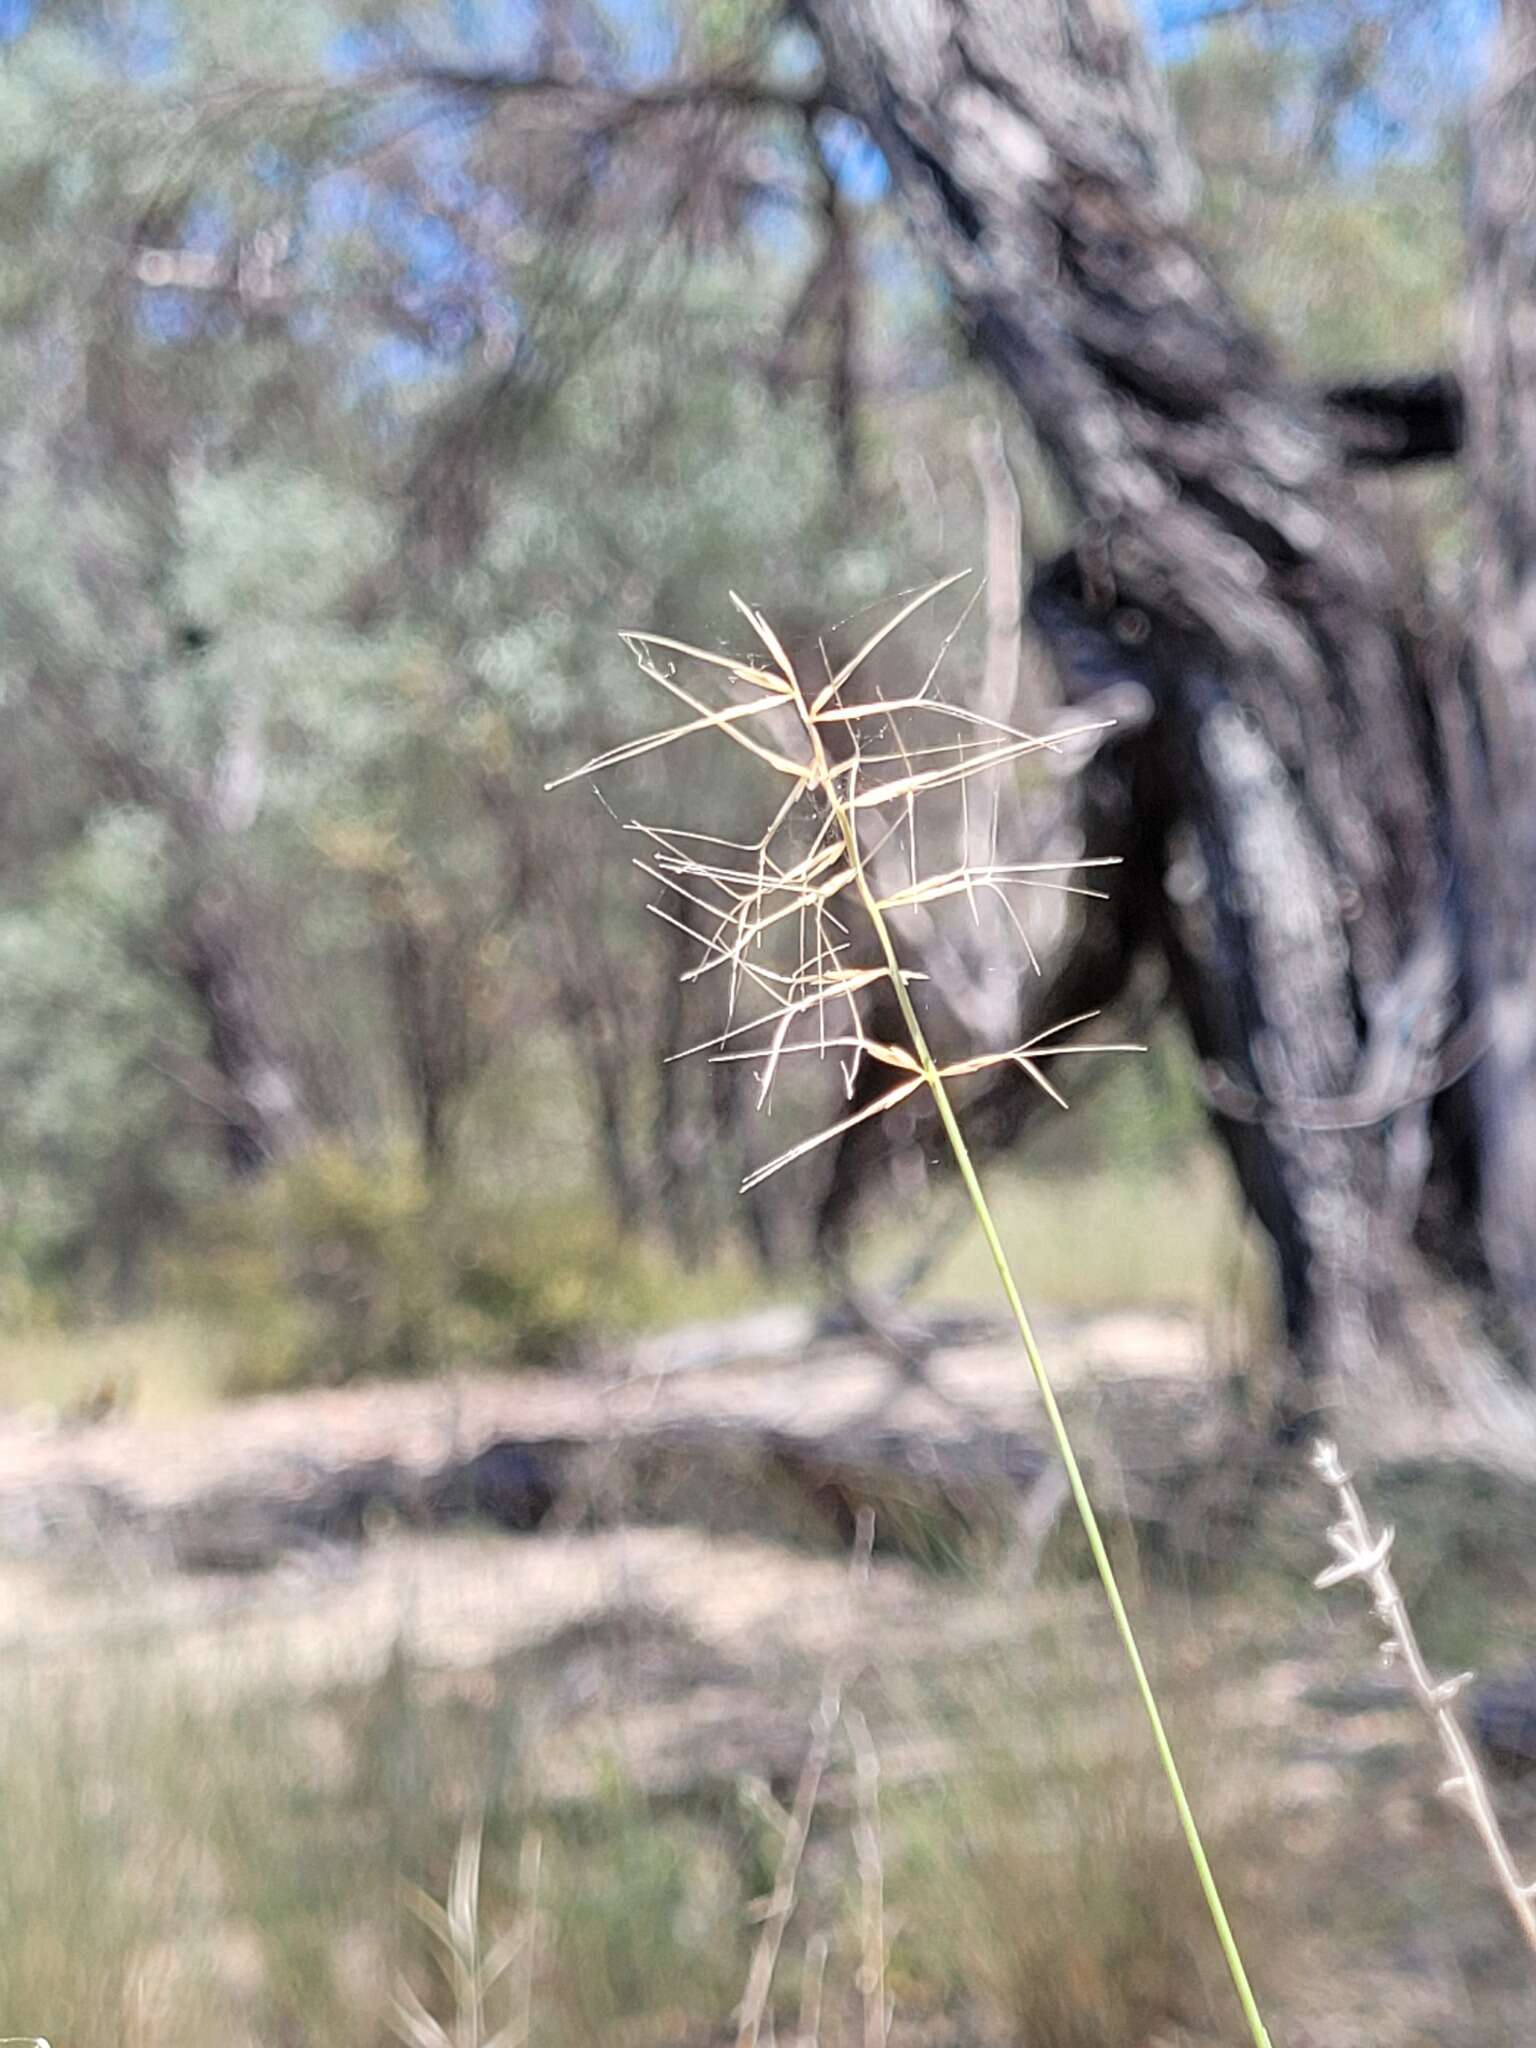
[
  {"x": 260, "y": 1098},
  {"x": 430, "y": 971},
  {"x": 1290, "y": 809},
  {"x": 1501, "y": 393},
  {"x": 1398, "y": 419},
  {"x": 262, "y": 1117}
]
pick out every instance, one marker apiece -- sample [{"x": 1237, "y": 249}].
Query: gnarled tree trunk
[
  {"x": 1294, "y": 807},
  {"x": 1501, "y": 391},
  {"x": 260, "y": 1107}
]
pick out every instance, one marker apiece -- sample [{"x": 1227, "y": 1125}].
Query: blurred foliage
[
  {"x": 343, "y": 422},
  {"x": 1350, "y": 270},
  {"x": 339, "y": 1266}
]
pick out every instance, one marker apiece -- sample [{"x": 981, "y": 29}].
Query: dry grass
[
  {"x": 1045, "y": 1882},
  {"x": 266, "y": 1870},
  {"x": 172, "y": 1875},
  {"x": 238, "y": 1859},
  {"x": 162, "y": 1365},
  {"x": 193, "y": 1852},
  {"x": 1364, "y": 1554},
  {"x": 473, "y": 1967},
  {"x": 781, "y": 915},
  {"x": 800, "y": 926}
]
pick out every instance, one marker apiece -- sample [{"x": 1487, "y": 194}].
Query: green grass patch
[{"x": 1170, "y": 1238}]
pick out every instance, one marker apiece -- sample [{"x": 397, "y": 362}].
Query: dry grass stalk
[
  {"x": 1365, "y": 1554},
  {"x": 472, "y": 1969},
  {"x": 530, "y": 1869},
  {"x": 808, "y": 2033},
  {"x": 869, "y": 1853},
  {"x": 776, "y": 1909},
  {"x": 780, "y": 1903},
  {"x": 855, "y": 774},
  {"x": 1005, "y": 550}
]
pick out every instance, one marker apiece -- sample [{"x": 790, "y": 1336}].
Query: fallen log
[
  {"x": 695, "y": 1430},
  {"x": 792, "y": 1450}
]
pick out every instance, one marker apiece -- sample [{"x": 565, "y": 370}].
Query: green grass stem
[{"x": 1063, "y": 1440}]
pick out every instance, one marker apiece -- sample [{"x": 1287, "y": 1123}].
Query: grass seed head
[{"x": 784, "y": 918}]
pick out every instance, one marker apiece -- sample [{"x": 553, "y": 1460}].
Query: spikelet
[{"x": 853, "y": 774}]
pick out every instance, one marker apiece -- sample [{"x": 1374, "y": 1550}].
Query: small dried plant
[
  {"x": 473, "y": 1968},
  {"x": 794, "y": 1830},
  {"x": 1363, "y": 1553},
  {"x": 798, "y": 923}
]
